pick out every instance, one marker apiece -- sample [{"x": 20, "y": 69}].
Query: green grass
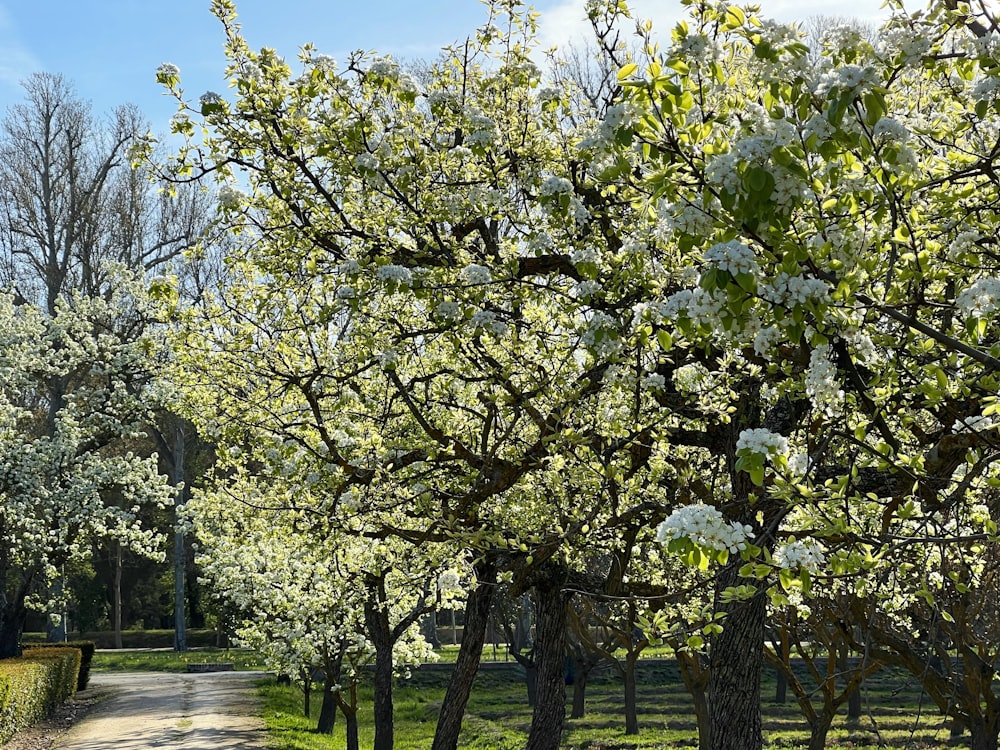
[
  {"x": 498, "y": 717},
  {"x": 172, "y": 661}
]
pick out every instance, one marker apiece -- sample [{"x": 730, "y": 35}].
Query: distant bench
[{"x": 216, "y": 667}]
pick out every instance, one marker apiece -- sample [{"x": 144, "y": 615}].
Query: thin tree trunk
[
  {"x": 736, "y": 663},
  {"x": 477, "y": 611},
  {"x": 696, "y": 681},
  {"x": 117, "y": 594},
  {"x": 180, "y": 557},
  {"x": 581, "y": 676},
  {"x": 631, "y": 705},
  {"x": 550, "y": 656}
]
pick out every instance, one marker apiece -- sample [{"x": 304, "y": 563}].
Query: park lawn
[
  {"x": 498, "y": 717},
  {"x": 127, "y": 660}
]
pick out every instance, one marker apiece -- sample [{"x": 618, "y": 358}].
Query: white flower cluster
[
  {"x": 964, "y": 242},
  {"x": 482, "y": 130},
  {"x": 766, "y": 340},
  {"x": 555, "y": 186},
  {"x": 890, "y": 130},
  {"x": 366, "y": 162},
  {"x": 395, "y": 274},
  {"x": 845, "y": 79},
  {"x": 475, "y": 275},
  {"x": 684, "y": 218},
  {"x": 761, "y": 440},
  {"x": 903, "y": 40},
  {"x": 487, "y": 320},
  {"x": 987, "y": 90},
  {"x": 601, "y": 334},
  {"x": 585, "y": 254},
  {"x": 806, "y": 555},
  {"x": 586, "y": 288},
  {"x": 821, "y": 382},
  {"x": 977, "y": 423},
  {"x": 705, "y": 526},
  {"x": 449, "y": 582},
  {"x": 210, "y": 98},
  {"x": 167, "y": 71},
  {"x": 231, "y": 198},
  {"x": 448, "y": 310},
  {"x": 654, "y": 381},
  {"x": 734, "y": 257},
  {"x": 785, "y": 289},
  {"x": 980, "y": 299}
]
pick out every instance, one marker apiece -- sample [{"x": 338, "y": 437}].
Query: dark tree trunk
[
  {"x": 328, "y": 709},
  {"x": 854, "y": 697},
  {"x": 180, "y": 556},
  {"x": 12, "y": 617},
  {"x": 352, "y": 731},
  {"x": 631, "y": 705},
  {"x": 781, "y": 689},
  {"x": 581, "y": 675},
  {"x": 477, "y": 611},
  {"x": 377, "y": 622},
  {"x": 695, "y": 678},
  {"x": 550, "y": 656},
  {"x": 984, "y": 734},
  {"x": 117, "y": 603},
  {"x": 818, "y": 731},
  {"x": 736, "y": 663}
]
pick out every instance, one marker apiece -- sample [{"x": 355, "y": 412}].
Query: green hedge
[
  {"x": 86, "y": 657},
  {"x": 33, "y": 685}
]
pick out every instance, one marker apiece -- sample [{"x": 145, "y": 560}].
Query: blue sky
[{"x": 110, "y": 49}]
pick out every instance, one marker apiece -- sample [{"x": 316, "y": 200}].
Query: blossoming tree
[
  {"x": 63, "y": 482},
  {"x": 758, "y": 289},
  {"x": 831, "y": 223}
]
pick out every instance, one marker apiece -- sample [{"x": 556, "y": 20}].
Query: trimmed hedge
[
  {"x": 33, "y": 685},
  {"x": 87, "y": 649}
]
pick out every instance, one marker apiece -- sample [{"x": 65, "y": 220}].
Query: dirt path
[{"x": 147, "y": 710}]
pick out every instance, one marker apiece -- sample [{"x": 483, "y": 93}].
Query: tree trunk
[
  {"x": 819, "y": 730},
  {"x": 581, "y": 675},
  {"x": 352, "y": 730},
  {"x": 477, "y": 611},
  {"x": 377, "y": 622},
  {"x": 696, "y": 681},
  {"x": 984, "y": 734},
  {"x": 180, "y": 557},
  {"x": 854, "y": 697},
  {"x": 550, "y": 656},
  {"x": 631, "y": 706},
  {"x": 12, "y": 617},
  {"x": 328, "y": 709},
  {"x": 736, "y": 663},
  {"x": 117, "y": 595}
]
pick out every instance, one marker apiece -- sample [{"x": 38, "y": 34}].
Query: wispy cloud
[{"x": 16, "y": 60}]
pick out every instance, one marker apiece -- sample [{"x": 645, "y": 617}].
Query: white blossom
[
  {"x": 806, "y": 555},
  {"x": 705, "y": 526},
  {"x": 761, "y": 440},
  {"x": 475, "y": 275}
]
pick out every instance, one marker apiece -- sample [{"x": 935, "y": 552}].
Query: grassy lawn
[
  {"x": 498, "y": 717},
  {"x": 171, "y": 661}
]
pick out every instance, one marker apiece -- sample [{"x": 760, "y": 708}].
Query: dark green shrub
[{"x": 86, "y": 648}]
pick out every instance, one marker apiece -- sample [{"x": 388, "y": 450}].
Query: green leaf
[{"x": 627, "y": 71}]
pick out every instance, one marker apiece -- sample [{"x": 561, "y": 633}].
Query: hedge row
[
  {"x": 86, "y": 657},
  {"x": 33, "y": 685}
]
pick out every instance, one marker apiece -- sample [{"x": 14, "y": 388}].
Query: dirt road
[{"x": 147, "y": 710}]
